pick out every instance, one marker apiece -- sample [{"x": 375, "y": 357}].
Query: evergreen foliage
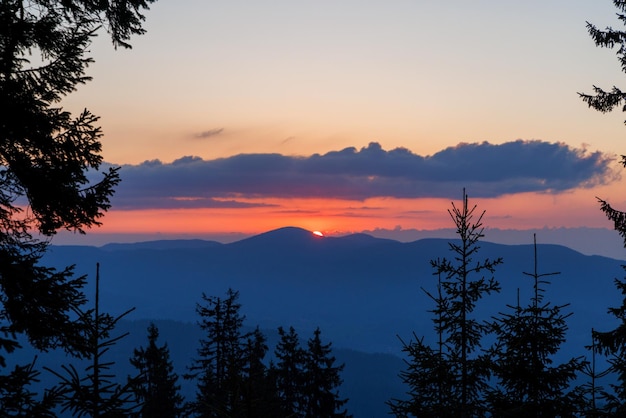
[
  {"x": 452, "y": 379},
  {"x": 322, "y": 378},
  {"x": 613, "y": 343},
  {"x": 17, "y": 400},
  {"x": 48, "y": 158},
  {"x": 601, "y": 99},
  {"x": 288, "y": 374},
  {"x": 592, "y": 392},
  {"x": 226, "y": 359},
  {"x": 234, "y": 381},
  {"x": 156, "y": 387},
  {"x": 258, "y": 393},
  {"x": 527, "y": 340},
  {"x": 96, "y": 393},
  {"x": 48, "y": 165}
]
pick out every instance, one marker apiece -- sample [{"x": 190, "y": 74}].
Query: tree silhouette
[
  {"x": 233, "y": 380},
  {"x": 288, "y": 374},
  {"x": 95, "y": 393},
  {"x": 156, "y": 386},
  {"x": 429, "y": 373},
  {"x": 17, "y": 400},
  {"x": 455, "y": 372},
  {"x": 601, "y": 99},
  {"x": 258, "y": 392},
  {"x": 48, "y": 165},
  {"x": 613, "y": 343},
  {"x": 322, "y": 380},
  {"x": 591, "y": 391},
  {"x": 48, "y": 158},
  {"x": 221, "y": 358},
  {"x": 527, "y": 340},
  {"x": 606, "y": 101}
]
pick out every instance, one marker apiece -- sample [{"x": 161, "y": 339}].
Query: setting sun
[{"x": 318, "y": 233}]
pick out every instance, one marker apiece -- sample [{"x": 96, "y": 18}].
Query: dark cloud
[
  {"x": 209, "y": 133},
  {"x": 484, "y": 169}
]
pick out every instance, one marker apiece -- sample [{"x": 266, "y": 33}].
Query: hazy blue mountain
[{"x": 360, "y": 290}]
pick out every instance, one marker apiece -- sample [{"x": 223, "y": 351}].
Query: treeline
[
  {"x": 234, "y": 381},
  {"x": 232, "y": 375}
]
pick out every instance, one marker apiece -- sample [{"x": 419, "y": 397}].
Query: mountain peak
[{"x": 287, "y": 236}]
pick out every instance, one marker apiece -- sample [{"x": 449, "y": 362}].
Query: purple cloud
[{"x": 484, "y": 169}]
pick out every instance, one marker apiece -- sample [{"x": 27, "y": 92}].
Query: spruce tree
[
  {"x": 95, "y": 393},
  {"x": 288, "y": 374},
  {"x": 528, "y": 338},
  {"x": 607, "y": 100},
  {"x": 613, "y": 343},
  {"x": 17, "y": 399},
  {"x": 156, "y": 387},
  {"x": 593, "y": 393},
  {"x": 258, "y": 392},
  {"x": 322, "y": 380},
  {"x": 219, "y": 368},
  {"x": 429, "y": 374},
  {"x": 455, "y": 373},
  {"x": 49, "y": 158},
  {"x": 49, "y": 161}
]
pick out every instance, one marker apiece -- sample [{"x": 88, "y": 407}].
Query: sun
[{"x": 318, "y": 233}]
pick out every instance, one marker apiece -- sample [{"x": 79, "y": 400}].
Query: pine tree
[
  {"x": 17, "y": 400},
  {"x": 46, "y": 155},
  {"x": 601, "y": 99},
  {"x": 95, "y": 393},
  {"x": 48, "y": 178},
  {"x": 258, "y": 392},
  {"x": 156, "y": 386},
  {"x": 288, "y": 373},
  {"x": 322, "y": 380},
  {"x": 527, "y": 341},
  {"x": 429, "y": 374},
  {"x": 613, "y": 343},
  {"x": 221, "y": 358},
  {"x": 456, "y": 372},
  {"x": 592, "y": 391}
]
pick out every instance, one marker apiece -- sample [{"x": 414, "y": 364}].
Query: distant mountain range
[{"x": 363, "y": 292}]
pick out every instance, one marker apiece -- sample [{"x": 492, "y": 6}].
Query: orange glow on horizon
[{"x": 337, "y": 217}]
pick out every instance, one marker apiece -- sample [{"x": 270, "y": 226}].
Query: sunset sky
[{"x": 343, "y": 116}]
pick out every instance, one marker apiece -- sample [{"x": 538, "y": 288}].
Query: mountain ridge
[
  {"x": 356, "y": 287},
  {"x": 294, "y": 234}
]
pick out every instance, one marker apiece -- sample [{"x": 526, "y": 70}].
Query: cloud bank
[{"x": 484, "y": 169}]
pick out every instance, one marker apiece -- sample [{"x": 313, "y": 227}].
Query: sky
[{"x": 233, "y": 118}]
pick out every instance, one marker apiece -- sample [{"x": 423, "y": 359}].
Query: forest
[{"x": 470, "y": 366}]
